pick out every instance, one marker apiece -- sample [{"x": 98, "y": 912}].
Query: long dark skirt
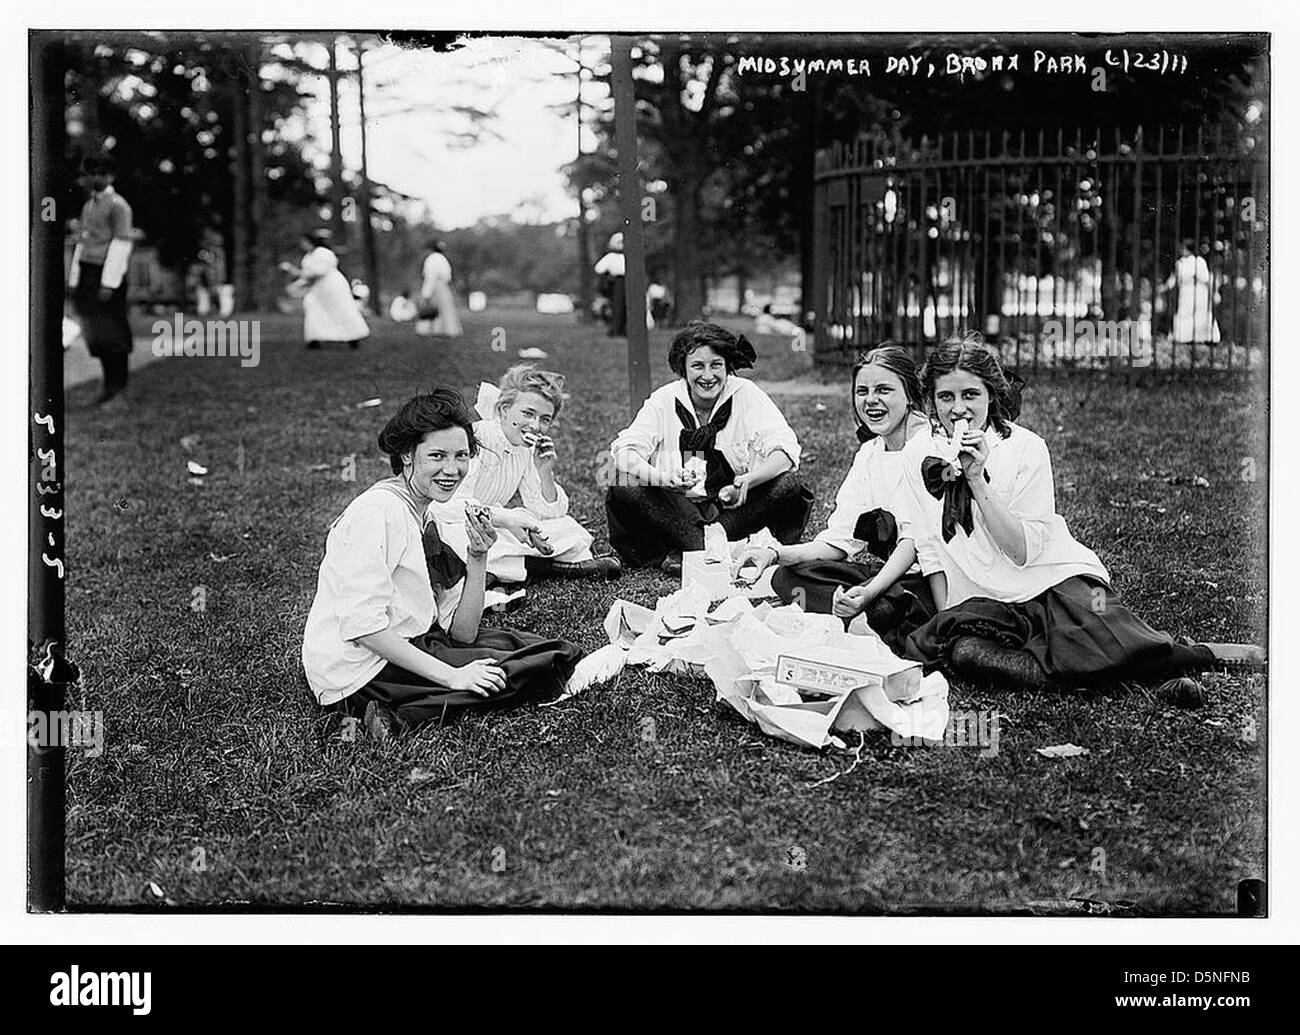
[
  {"x": 893, "y": 616},
  {"x": 103, "y": 324},
  {"x": 1078, "y": 631},
  {"x": 646, "y": 524},
  {"x": 536, "y": 670},
  {"x": 618, "y": 308}
]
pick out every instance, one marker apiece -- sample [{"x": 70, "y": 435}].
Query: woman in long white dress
[
  {"x": 1194, "y": 316},
  {"x": 329, "y": 311},
  {"x": 435, "y": 294}
]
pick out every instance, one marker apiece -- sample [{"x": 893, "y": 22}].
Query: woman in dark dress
[{"x": 393, "y": 635}]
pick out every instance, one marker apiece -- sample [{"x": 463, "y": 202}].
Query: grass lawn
[{"x": 224, "y": 785}]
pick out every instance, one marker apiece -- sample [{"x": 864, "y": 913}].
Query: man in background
[{"x": 98, "y": 277}]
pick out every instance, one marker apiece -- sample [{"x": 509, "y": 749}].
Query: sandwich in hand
[{"x": 959, "y": 429}]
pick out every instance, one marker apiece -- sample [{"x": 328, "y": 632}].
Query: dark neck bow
[
  {"x": 878, "y": 529},
  {"x": 445, "y": 566},
  {"x": 696, "y": 438},
  {"x": 942, "y": 483},
  {"x": 701, "y": 440}
]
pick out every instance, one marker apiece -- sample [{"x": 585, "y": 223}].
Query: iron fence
[{"x": 1072, "y": 249}]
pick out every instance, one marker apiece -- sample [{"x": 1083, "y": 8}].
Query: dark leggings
[{"x": 115, "y": 372}]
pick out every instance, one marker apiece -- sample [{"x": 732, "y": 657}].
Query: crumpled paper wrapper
[
  {"x": 716, "y": 548},
  {"x": 696, "y": 466},
  {"x": 711, "y": 567},
  {"x": 736, "y": 645}
]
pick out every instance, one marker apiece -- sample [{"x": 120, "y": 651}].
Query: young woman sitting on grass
[
  {"x": 1023, "y": 603},
  {"x": 710, "y": 446},
  {"x": 513, "y": 475},
  {"x": 393, "y": 635},
  {"x": 821, "y": 576}
]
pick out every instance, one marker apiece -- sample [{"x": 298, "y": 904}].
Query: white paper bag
[{"x": 737, "y": 644}]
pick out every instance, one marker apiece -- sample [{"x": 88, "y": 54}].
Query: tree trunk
[
  {"x": 806, "y": 159},
  {"x": 584, "y": 262},
  {"x": 742, "y": 285},
  {"x": 688, "y": 275},
  {"x": 363, "y": 205},
  {"x": 239, "y": 252},
  {"x": 260, "y": 261},
  {"x": 684, "y": 134},
  {"x": 336, "y": 153},
  {"x": 584, "y": 237},
  {"x": 84, "y": 83}
]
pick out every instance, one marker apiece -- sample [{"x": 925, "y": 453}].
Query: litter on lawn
[
  {"x": 1062, "y": 751},
  {"x": 799, "y": 677}
]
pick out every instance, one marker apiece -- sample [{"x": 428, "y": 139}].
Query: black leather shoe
[
  {"x": 1183, "y": 692},
  {"x": 595, "y": 568}
]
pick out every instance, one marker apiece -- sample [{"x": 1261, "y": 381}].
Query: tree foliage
[{"x": 736, "y": 151}]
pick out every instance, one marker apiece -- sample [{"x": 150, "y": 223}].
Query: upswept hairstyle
[
  {"x": 971, "y": 353},
  {"x": 897, "y": 359},
  {"x": 735, "y": 350},
  {"x": 435, "y": 410},
  {"x": 524, "y": 377}
]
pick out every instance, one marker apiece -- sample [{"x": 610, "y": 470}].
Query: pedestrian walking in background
[
  {"x": 437, "y": 307},
  {"x": 98, "y": 278},
  {"x": 329, "y": 312},
  {"x": 611, "y": 269}
]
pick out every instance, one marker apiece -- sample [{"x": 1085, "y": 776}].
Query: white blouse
[
  {"x": 878, "y": 478},
  {"x": 499, "y": 471},
  {"x": 755, "y": 431},
  {"x": 373, "y": 577},
  {"x": 436, "y": 270},
  {"x": 1020, "y": 474},
  {"x": 613, "y": 263}
]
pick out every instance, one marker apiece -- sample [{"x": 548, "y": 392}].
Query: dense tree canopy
[{"x": 211, "y": 129}]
